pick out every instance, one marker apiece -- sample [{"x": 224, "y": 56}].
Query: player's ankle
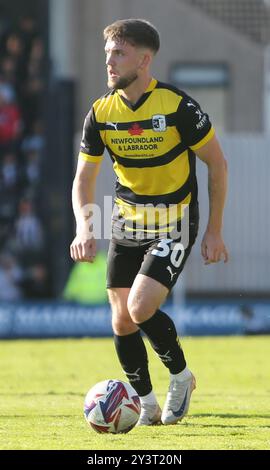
[
  {"x": 149, "y": 399},
  {"x": 181, "y": 376}
]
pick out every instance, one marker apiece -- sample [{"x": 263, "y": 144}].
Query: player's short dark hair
[{"x": 135, "y": 32}]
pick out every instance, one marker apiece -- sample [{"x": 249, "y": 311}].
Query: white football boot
[
  {"x": 178, "y": 398},
  {"x": 150, "y": 415}
]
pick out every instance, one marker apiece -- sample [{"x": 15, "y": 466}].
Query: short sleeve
[
  {"x": 193, "y": 124},
  {"x": 92, "y": 146}
]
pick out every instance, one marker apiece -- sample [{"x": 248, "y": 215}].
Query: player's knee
[
  {"x": 123, "y": 325},
  {"x": 139, "y": 311}
]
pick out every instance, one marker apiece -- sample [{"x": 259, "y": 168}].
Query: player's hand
[
  {"x": 83, "y": 249},
  {"x": 213, "y": 248}
]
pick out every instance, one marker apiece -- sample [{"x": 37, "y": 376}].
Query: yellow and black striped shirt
[{"x": 152, "y": 145}]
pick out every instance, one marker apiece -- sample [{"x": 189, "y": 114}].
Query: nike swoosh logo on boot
[{"x": 182, "y": 407}]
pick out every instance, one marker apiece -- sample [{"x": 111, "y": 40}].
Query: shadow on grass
[
  {"x": 225, "y": 426},
  {"x": 228, "y": 415}
]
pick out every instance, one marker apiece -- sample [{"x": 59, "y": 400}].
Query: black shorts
[{"x": 162, "y": 259}]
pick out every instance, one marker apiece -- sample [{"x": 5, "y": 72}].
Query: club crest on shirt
[{"x": 159, "y": 123}]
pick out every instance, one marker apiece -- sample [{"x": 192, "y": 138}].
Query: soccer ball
[{"x": 112, "y": 406}]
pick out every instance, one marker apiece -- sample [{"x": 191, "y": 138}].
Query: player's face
[{"x": 123, "y": 62}]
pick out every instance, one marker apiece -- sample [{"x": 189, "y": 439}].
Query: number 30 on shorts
[{"x": 163, "y": 249}]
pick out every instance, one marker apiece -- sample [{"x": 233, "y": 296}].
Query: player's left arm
[{"x": 213, "y": 248}]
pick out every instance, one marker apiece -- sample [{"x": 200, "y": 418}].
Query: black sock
[
  {"x": 132, "y": 355},
  {"x": 162, "y": 334}
]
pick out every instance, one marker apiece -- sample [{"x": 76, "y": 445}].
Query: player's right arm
[{"x": 83, "y": 247}]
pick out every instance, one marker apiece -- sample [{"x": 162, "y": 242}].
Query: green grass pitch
[{"x": 43, "y": 384}]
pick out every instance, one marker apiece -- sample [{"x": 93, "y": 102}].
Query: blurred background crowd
[{"x": 23, "y": 270}]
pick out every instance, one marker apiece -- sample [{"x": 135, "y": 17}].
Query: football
[{"x": 112, "y": 406}]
